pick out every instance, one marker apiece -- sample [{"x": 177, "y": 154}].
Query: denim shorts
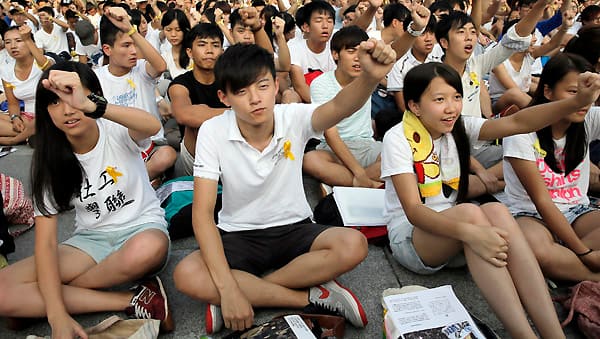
[
  {"x": 571, "y": 214},
  {"x": 400, "y": 233},
  {"x": 100, "y": 245}
]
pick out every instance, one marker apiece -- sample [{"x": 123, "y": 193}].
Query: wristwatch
[
  {"x": 413, "y": 32},
  {"x": 101, "y": 104}
]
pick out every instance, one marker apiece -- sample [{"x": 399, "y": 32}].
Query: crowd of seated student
[{"x": 186, "y": 62}]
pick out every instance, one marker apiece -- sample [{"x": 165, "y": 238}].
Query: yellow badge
[
  {"x": 474, "y": 79},
  {"x": 114, "y": 174},
  {"x": 131, "y": 83},
  {"x": 538, "y": 148},
  {"x": 287, "y": 150}
]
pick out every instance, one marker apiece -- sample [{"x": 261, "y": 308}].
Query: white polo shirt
[
  {"x": 260, "y": 189},
  {"x": 395, "y": 78}
]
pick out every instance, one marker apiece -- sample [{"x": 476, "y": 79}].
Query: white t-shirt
[
  {"x": 260, "y": 189},
  {"x": 174, "y": 70},
  {"x": 306, "y": 59},
  {"x": 521, "y": 77},
  {"x": 566, "y": 191},
  {"x": 115, "y": 192},
  {"x": 134, "y": 89},
  {"x": 356, "y": 126},
  {"x": 22, "y": 89},
  {"x": 153, "y": 37},
  {"x": 397, "y": 158},
  {"x": 56, "y": 41},
  {"x": 478, "y": 66},
  {"x": 395, "y": 78},
  {"x": 95, "y": 20}
]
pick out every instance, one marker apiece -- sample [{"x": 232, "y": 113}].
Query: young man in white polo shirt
[{"x": 256, "y": 150}]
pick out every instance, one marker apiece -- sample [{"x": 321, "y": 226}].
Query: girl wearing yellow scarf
[{"x": 425, "y": 167}]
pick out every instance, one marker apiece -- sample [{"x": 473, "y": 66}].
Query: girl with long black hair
[
  {"x": 425, "y": 163},
  {"x": 87, "y": 158},
  {"x": 547, "y": 177}
]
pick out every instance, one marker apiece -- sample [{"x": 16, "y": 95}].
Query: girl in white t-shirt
[
  {"x": 547, "y": 175},
  {"x": 93, "y": 166},
  {"x": 425, "y": 165},
  {"x": 175, "y": 26},
  {"x": 511, "y": 81},
  {"x": 19, "y": 79}
]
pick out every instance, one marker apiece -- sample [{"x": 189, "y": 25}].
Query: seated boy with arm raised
[{"x": 266, "y": 252}]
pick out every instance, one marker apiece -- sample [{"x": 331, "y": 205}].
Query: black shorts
[{"x": 259, "y": 251}]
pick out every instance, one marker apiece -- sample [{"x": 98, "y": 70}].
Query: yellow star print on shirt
[{"x": 114, "y": 174}]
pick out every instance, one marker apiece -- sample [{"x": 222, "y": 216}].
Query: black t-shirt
[{"x": 199, "y": 93}]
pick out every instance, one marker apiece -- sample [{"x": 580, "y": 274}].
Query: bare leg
[
  {"x": 374, "y": 170},
  {"x": 525, "y": 273},
  {"x": 510, "y": 97},
  {"x": 335, "y": 251},
  {"x": 20, "y": 296},
  {"x": 587, "y": 228},
  {"x": 163, "y": 159},
  {"x": 497, "y": 170},
  {"x": 555, "y": 260},
  {"x": 324, "y": 166},
  {"x": 495, "y": 283}
]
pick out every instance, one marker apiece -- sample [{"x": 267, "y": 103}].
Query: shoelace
[
  {"x": 141, "y": 312},
  {"x": 335, "y": 309}
]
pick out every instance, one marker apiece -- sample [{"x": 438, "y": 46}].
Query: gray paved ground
[{"x": 368, "y": 280}]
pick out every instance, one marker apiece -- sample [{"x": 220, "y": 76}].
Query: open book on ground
[
  {"x": 360, "y": 206},
  {"x": 431, "y": 313}
]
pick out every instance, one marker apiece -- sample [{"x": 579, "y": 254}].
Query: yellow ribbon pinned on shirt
[
  {"x": 287, "y": 150},
  {"x": 474, "y": 78},
  {"x": 538, "y": 148},
  {"x": 131, "y": 83},
  {"x": 114, "y": 174},
  {"x": 9, "y": 85}
]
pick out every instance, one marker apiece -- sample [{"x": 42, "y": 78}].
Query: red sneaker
[
  {"x": 334, "y": 297},
  {"x": 150, "y": 302}
]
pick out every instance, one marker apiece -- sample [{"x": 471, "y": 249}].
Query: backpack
[
  {"x": 176, "y": 198},
  {"x": 17, "y": 206},
  {"x": 326, "y": 213},
  {"x": 584, "y": 304}
]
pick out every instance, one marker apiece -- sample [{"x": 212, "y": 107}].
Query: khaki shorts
[{"x": 365, "y": 151}]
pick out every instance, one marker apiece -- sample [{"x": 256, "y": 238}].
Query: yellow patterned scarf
[{"x": 430, "y": 170}]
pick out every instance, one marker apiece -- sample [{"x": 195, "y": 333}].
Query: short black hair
[
  {"x": 522, "y": 3},
  {"x": 235, "y": 19},
  {"x": 318, "y": 6},
  {"x": 108, "y": 31},
  {"x": 589, "y": 13},
  {"x": 70, "y": 14},
  {"x": 394, "y": 11},
  {"x": 460, "y": 3},
  {"x": 350, "y": 9},
  {"x": 201, "y": 31},
  {"x": 241, "y": 65},
  {"x": 47, "y": 9},
  {"x": 440, "y": 5},
  {"x": 454, "y": 19},
  {"x": 347, "y": 37}
]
